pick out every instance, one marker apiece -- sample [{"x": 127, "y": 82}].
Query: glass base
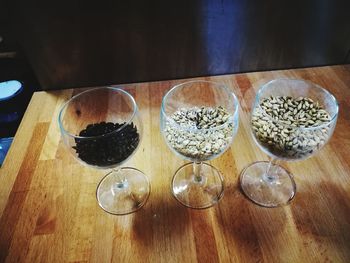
[
  {"x": 264, "y": 190},
  {"x": 197, "y": 192},
  {"x": 123, "y": 191}
]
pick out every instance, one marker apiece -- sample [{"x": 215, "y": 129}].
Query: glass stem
[
  {"x": 120, "y": 180},
  {"x": 197, "y": 171},
  {"x": 270, "y": 173}
]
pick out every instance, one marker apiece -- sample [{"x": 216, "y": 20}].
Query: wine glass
[
  {"x": 101, "y": 127},
  {"x": 291, "y": 120},
  {"x": 199, "y": 120}
]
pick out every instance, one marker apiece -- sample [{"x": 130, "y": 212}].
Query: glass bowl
[
  {"x": 102, "y": 129},
  {"x": 291, "y": 120},
  {"x": 199, "y": 120}
]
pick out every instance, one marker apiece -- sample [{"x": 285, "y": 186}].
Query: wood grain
[{"x": 49, "y": 213}]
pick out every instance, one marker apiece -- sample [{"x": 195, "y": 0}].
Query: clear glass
[
  {"x": 102, "y": 129},
  {"x": 198, "y": 184},
  {"x": 267, "y": 183}
]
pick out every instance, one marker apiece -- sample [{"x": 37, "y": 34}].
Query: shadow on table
[
  {"x": 249, "y": 227},
  {"x": 322, "y": 212},
  {"x": 162, "y": 219}
]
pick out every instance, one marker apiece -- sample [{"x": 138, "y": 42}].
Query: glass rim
[
  {"x": 279, "y": 122},
  {"x": 194, "y": 129},
  {"x": 64, "y": 106}
]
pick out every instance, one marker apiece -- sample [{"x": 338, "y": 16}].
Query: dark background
[
  {"x": 59, "y": 44},
  {"x": 64, "y": 44}
]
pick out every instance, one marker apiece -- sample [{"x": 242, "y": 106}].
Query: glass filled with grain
[
  {"x": 102, "y": 129},
  {"x": 291, "y": 120},
  {"x": 199, "y": 120}
]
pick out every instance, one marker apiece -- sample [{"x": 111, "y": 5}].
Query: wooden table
[{"x": 49, "y": 212}]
